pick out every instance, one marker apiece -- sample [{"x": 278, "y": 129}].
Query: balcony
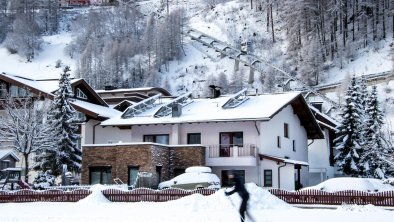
[{"x": 231, "y": 155}]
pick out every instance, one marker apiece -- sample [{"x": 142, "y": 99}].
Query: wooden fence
[
  {"x": 114, "y": 195},
  {"x": 144, "y": 194},
  {"x": 43, "y": 196},
  {"x": 385, "y": 198}
]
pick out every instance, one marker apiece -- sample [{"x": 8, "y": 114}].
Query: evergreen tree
[
  {"x": 348, "y": 136},
  {"x": 375, "y": 160},
  {"x": 63, "y": 119},
  {"x": 363, "y": 98}
]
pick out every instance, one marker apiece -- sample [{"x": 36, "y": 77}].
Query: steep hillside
[{"x": 233, "y": 22}]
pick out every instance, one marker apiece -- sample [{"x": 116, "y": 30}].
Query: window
[
  {"x": 194, "y": 138},
  {"x": 294, "y": 145},
  {"x": 278, "y": 141},
  {"x": 3, "y": 90},
  {"x": 227, "y": 182},
  {"x": 178, "y": 171},
  {"x": 267, "y": 178},
  {"x": 286, "y": 130},
  {"x": 5, "y": 164},
  {"x": 161, "y": 139},
  {"x": 81, "y": 95},
  {"x": 133, "y": 172},
  {"x": 13, "y": 91},
  {"x": 100, "y": 175},
  {"x": 228, "y": 140}
]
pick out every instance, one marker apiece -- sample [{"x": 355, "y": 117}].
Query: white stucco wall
[
  {"x": 275, "y": 127},
  {"x": 178, "y": 132},
  {"x": 319, "y": 160},
  {"x": 102, "y": 135}
]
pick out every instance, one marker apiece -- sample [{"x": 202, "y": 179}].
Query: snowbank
[
  {"x": 349, "y": 183},
  {"x": 96, "y": 197},
  {"x": 259, "y": 199},
  {"x": 359, "y": 208}
]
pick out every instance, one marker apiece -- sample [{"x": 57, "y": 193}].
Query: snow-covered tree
[
  {"x": 25, "y": 38},
  {"x": 348, "y": 133},
  {"x": 25, "y": 127},
  {"x": 43, "y": 179},
  {"x": 63, "y": 120},
  {"x": 375, "y": 158}
]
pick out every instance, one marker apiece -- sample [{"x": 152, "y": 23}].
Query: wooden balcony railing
[{"x": 233, "y": 150}]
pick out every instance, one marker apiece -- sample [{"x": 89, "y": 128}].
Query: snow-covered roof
[
  {"x": 261, "y": 107},
  {"x": 97, "y": 110},
  {"x": 132, "y": 90},
  {"x": 44, "y": 85},
  {"x": 283, "y": 160},
  {"x": 326, "y": 117},
  {"x": 124, "y": 90},
  {"x": 6, "y": 152}
]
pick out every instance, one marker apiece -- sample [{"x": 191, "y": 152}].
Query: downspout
[
  {"x": 94, "y": 132},
  {"x": 257, "y": 128},
  {"x": 257, "y": 153},
  {"x": 279, "y": 174}
]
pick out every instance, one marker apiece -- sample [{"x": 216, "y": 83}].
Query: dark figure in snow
[{"x": 239, "y": 187}]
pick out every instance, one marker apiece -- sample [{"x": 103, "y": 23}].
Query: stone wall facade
[{"x": 148, "y": 157}]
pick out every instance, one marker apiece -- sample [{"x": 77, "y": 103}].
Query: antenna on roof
[
  {"x": 167, "y": 109},
  {"x": 140, "y": 106},
  {"x": 236, "y": 99}
]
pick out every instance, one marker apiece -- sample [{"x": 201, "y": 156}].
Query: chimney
[
  {"x": 318, "y": 105},
  {"x": 215, "y": 91},
  {"x": 176, "y": 110}
]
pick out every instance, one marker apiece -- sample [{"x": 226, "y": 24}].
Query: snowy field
[{"x": 263, "y": 206}]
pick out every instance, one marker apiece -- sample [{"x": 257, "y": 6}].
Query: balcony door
[{"x": 228, "y": 140}]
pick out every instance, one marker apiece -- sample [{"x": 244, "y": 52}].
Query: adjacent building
[{"x": 89, "y": 105}]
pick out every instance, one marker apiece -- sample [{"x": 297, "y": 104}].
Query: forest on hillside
[{"x": 119, "y": 46}]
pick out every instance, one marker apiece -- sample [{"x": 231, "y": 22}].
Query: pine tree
[
  {"x": 363, "y": 98},
  {"x": 348, "y": 135},
  {"x": 63, "y": 119},
  {"x": 375, "y": 159}
]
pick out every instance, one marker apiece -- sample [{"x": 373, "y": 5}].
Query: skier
[{"x": 241, "y": 190}]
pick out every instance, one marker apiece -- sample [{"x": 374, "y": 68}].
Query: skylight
[
  {"x": 141, "y": 106},
  {"x": 166, "y": 109},
  {"x": 236, "y": 99}
]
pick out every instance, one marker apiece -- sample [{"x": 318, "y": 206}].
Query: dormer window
[{"x": 81, "y": 95}]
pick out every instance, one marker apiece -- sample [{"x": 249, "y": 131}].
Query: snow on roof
[
  {"x": 198, "y": 169},
  {"x": 352, "y": 183},
  {"x": 44, "y": 85},
  {"x": 284, "y": 160},
  {"x": 124, "y": 90},
  {"x": 324, "y": 115},
  {"x": 101, "y": 111},
  {"x": 261, "y": 107},
  {"x": 4, "y": 153}
]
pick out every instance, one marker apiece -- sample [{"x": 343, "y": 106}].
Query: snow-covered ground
[
  {"x": 351, "y": 183},
  {"x": 263, "y": 207},
  {"x": 44, "y": 65}
]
